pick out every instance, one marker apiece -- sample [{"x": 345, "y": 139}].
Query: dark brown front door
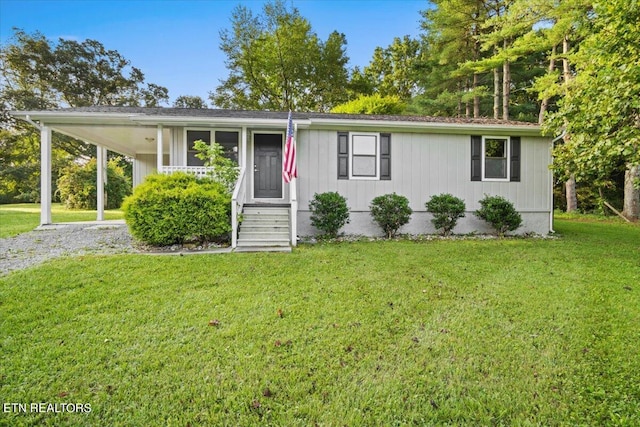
[{"x": 267, "y": 170}]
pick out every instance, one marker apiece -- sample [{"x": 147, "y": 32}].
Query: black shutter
[
  {"x": 343, "y": 155},
  {"x": 476, "y": 158},
  {"x": 515, "y": 159},
  {"x": 385, "y": 156}
]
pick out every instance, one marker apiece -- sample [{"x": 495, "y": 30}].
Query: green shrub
[
  {"x": 77, "y": 185},
  {"x": 446, "y": 210},
  {"x": 329, "y": 213},
  {"x": 178, "y": 208},
  {"x": 390, "y": 211},
  {"x": 500, "y": 213}
]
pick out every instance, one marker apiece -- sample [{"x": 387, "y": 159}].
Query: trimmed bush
[
  {"x": 329, "y": 213},
  {"x": 500, "y": 213},
  {"x": 390, "y": 211},
  {"x": 446, "y": 210},
  {"x": 77, "y": 185},
  {"x": 178, "y": 208}
]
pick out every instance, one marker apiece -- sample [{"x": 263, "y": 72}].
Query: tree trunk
[
  {"x": 506, "y": 86},
  {"x": 566, "y": 71},
  {"x": 544, "y": 105},
  {"x": 476, "y": 98},
  {"x": 572, "y": 198},
  {"x": 631, "y": 208},
  {"x": 570, "y": 185},
  {"x": 467, "y": 106},
  {"x": 496, "y": 93}
]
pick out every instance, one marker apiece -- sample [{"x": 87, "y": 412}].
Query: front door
[{"x": 267, "y": 169}]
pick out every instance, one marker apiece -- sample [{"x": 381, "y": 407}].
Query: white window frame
[
  {"x": 375, "y": 177},
  {"x": 507, "y": 140},
  {"x": 185, "y": 144}
]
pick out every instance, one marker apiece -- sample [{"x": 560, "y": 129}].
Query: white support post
[
  {"x": 243, "y": 156},
  {"x": 45, "y": 175},
  {"x": 160, "y": 144},
  {"x": 100, "y": 182}
]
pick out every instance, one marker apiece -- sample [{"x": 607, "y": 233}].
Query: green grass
[
  {"x": 20, "y": 218},
  {"x": 472, "y": 332}
]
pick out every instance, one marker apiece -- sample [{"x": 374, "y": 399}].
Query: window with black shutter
[
  {"x": 495, "y": 158},
  {"x": 364, "y": 155}
]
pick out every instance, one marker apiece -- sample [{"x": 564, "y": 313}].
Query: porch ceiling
[{"x": 123, "y": 139}]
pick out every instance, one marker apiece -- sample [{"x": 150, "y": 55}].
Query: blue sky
[{"x": 175, "y": 42}]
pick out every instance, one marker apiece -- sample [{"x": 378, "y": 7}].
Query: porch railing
[
  {"x": 199, "y": 171},
  {"x": 237, "y": 203}
]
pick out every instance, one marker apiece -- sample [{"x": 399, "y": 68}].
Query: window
[
  {"x": 227, "y": 139},
  {"x": 495, "y": 158},
  {"x": 364, "y": 156},
  {"x": 494, "y": 153}
]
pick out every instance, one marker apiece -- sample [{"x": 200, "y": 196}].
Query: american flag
[{"x": 289, "y": 169}]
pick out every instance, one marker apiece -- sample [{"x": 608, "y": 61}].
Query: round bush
[
  {"x": 390, "y": 211},
  {"x": 78, "y": 185},
  {"x": 329, "y": 213},
  {"x": 446, "y": 210},
  {"x": 178, "y": 208},
  {"x": 500, "y": 213}
]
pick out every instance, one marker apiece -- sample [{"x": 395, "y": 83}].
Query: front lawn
[
  {"x": 19, "y": 218},
  {"x": 470, "y": 332}
]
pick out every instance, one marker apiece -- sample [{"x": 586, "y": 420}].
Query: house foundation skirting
[{"x": 361, "y": 223}]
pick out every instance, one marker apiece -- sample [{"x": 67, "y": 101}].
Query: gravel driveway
[{"x": 48, "y": 242}]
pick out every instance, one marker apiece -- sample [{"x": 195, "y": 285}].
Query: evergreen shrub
[
  {"x": 329, "y": 213},
  {"x": 390, "y": 211},
  {"x": 500, "y": 213},
  {"x": 178, "y": 208},
  {"x": 446, "y": 210}
]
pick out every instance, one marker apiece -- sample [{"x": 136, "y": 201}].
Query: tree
[
  {"x": 38, "y": 74},
  {"x": 188, "y": 101},
  {"x": 393, "y": 69},
  {"x": 452, "y": 29},
  {"x": 20, "y": 165},
  {"x": 371, "y": 104},
  {"x": 276, "y": 62},
  {"x": 601, "y": 107}
]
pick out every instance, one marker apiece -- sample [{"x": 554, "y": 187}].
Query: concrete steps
[{"x": 264, "y": 226}]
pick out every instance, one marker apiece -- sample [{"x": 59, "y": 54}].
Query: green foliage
[
  {"x": 189, "y": 101},
  {"x": 223, "y": 170},
  {"x": 297, "y": 70},
  {"x": 446, "y": 210},
  {"x": 371, "y": 104},
  {"x": 20, "y": 165},
  {"x": 329, "y": 212},
  {"x": 390, "y": 211},
  {"x": 43, "y": 74},
  {"x": 601, "y": 106},
  {"x": 393, "y": 71},
  {"x": 78, "y": 189},
  {"x": 178, "y": 208},
  {"x": 500, "y": 213}
]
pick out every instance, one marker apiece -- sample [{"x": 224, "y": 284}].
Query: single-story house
[{"x": 359, "y": 156}]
